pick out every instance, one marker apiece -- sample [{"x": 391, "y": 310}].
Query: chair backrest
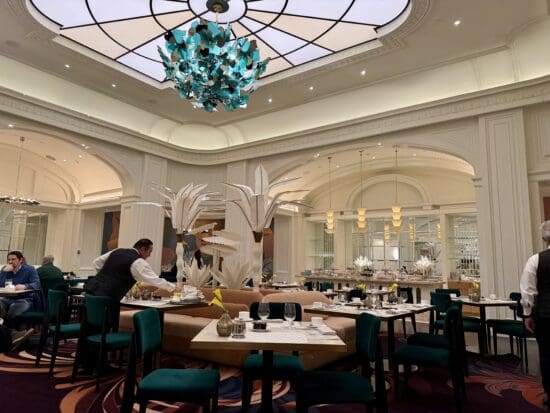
[
  {"x": 409, "y": 292},
  {"x": 276, "y": 311},
  {"x": 101, "y": 310},
  {"x": 455, "y": 291},
  {"x": 367, "y": 328},
  {"x": 441, "y": 301},
  {"x": 369, "y": 349},
  {"x": 148, "y": 331},
  {"x": 356, "y": 292},
  {"x": 53, "y": 284},
  {"x": 57, "y": 304},
  {"x": 518, "y": 308},
  {"x": 325, "y": 285},
  {"x": 454, "y": 331}
]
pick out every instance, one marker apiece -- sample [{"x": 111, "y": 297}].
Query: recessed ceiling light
[
  {"x": 363, "y": 72},
  {"x": 317, "y": 155},
  {"x": 83, "y": 145},
  {"x": 270, "y": 100},
  {"x": 379, "y": 143},
  {"x": 113, "y": 85},
  {"x": 311, "y": 88},
  {"x": 456, "y": 23},
  {"x": 374, "y": 157},
  {"x": 80, "y": 156},
  {"x": 67, "y": 66},
  {"x": 86, "y": 147},
  {"x": 10, "y": 125},
  {"x": 414, "y": 154},
  {"x": 337, "y": 166},
  {"x": 64, "y": 160}
]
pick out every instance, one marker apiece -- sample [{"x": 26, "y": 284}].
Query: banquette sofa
[{"x": 180, "y": 326}]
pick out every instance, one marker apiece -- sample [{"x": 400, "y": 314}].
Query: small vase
[{"x": 224, "y": 325}]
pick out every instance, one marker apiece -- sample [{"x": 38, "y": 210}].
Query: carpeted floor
[{"x": 495, "y": 384}]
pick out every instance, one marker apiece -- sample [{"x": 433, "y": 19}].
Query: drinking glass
[
  {"x": 8, "y": 283},
  {"x": 263, "y": 311},
  {"x": 290, "y": 313},
  {"x": 404, "y": 296}
]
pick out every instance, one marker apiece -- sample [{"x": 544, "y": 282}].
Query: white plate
[{"x": 267, "y": 330}]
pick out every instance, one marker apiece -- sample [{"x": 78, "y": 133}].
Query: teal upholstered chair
[
  {"x": 198, "y": 386},
  {"x": 285, "y": 366},
  {"x": 99, "y": 333},
  {"x": 512, "y": 328},
  {"x": 346, "y": 387},
  {"x": 449, "y": 356},
  {"x": 55, "y": 325},
  {"x": 408, "y": 292}
]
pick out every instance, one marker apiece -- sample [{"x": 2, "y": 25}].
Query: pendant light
[
  {"x": 361, "y": 211},
  {"x": 329, "y": 227},
  {"x": 396, "y": 208}
]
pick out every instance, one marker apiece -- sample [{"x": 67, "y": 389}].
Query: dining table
[
  {"x": 388, "y": 314},
  {"x": 482, "y": 304},
  {"x": 278, "y": 337},
  {"x": 13, "y": 293}
]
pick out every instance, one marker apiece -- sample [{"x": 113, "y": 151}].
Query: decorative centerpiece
[
  {"x": 424, "y": 264},
  {"x": 475, "y": 292},
  {"x": 224, "y": 325},
  {"x": 392, "y": 297},
  {"x": 258, "y": 210},
  {"x": 363, "y": 264}
]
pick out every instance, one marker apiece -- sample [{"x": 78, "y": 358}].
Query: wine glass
[
  {"x": 263, "y": 311},
  {"x": 404, "y": 296},
  {"x": 290, "y": 313}
]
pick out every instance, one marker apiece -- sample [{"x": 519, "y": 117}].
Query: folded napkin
[{"x": 326, "y": 330}]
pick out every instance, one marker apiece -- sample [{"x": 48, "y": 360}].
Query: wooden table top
[
  {"x": 278, "y": 337},
  {"x": 486, "y": 302},
  {"x": 386, "y": 314},
  {"x": 5, "y": 292},
  {"x": 161, "y": 305}
]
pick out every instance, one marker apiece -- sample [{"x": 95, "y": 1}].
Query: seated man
[
  {"x": 23, "y": 277},
  {"x": 51, "y": 276}
]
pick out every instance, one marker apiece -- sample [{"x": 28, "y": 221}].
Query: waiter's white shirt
[
  {"x": 140, "y": 270},
  {"x": 528, "y": 284}
]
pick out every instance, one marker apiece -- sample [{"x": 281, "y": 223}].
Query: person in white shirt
[
  {"x": 119, "y": 269},
  {"x": 535, "y": 300}
]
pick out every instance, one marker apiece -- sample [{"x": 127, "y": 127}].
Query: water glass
[
  {"x": 238, "y": 329},
  {"x": 8, "y": 283},
  {"x": 290, "y": 313},
  {"x": 263, "y": 311}
]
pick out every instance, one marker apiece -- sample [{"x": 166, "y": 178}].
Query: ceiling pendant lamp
[
  {"x": 329, "y": 225},
  {"x": 396, "y": 208},
  {"x": 361, "y": 211},
  {"x": 16, "y": 199},
  {"x": 210, "y": 68}
]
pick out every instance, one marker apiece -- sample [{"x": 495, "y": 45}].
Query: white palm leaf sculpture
[
  {"x": 256, "y": 206},
  {"x": 185, "y": 205},
  {"x": 197, "y": 277},
  {"x": 234, "y": 274}
]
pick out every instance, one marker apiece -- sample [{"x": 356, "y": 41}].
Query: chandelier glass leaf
[
  {"x": 329, "y": 226},
  {"x": 361, "y": 211},
  {"x": 209, "y": 67},
  {"x": 396, "y": 208}
]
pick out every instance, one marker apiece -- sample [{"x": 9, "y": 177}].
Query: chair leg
[
  {"x": 76, "y": 363},
  {"x": 404, "y": 327},
  {"x": 396, "y": 379},
  {"x": 55, "y": 347},
  {"x": 215, "y": 400},
  {"x": 246, "y": 393},
  {"x": 512, "y": 344},
  {"x": 99, "y": 367},
  {"x": 526, "y": 357},
  {"x": 413, "y": 322},
  {"x": 142, "y": 406},
  {"x": 41, "y": 344},
  {"x": 495, "y": 341},
  {"x": 457, "y": 391}
]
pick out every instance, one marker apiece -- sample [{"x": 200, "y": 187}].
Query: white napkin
[{"x": 326, "y": 330}]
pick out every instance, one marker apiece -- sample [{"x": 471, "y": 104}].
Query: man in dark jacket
[
  {"x": 119, "y": 269},
  {"x": 51, "y": 276},
  {"x": 535, "y": 300}
]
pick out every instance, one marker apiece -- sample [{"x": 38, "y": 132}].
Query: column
[
  {"x": 18, "y": 228},
  {"x": 502, "y": 200}
]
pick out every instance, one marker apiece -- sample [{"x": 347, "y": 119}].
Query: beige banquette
[{"x": 180, "y": 326}]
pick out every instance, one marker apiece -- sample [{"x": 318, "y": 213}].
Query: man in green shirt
[{"x": 50, "y": 275}]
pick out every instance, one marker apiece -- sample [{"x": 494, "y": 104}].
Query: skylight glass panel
[{"x": 292, "y": 32}]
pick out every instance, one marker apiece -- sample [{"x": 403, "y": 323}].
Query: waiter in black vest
[
  {"x": 119, "y": 269},
  {"x": 535, "y": 300}
]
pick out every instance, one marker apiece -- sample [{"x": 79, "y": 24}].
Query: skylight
[{"x": 290, "y": 32}]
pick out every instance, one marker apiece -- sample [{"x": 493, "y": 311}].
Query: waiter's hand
[{"x": 529, "y": 323}]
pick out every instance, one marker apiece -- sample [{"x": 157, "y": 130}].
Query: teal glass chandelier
[{"x": 210, "y": 68}]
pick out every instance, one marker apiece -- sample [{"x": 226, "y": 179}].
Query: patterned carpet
[{"x": 495, "y": 383}]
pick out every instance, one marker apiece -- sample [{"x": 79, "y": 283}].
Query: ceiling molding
[{"x": 473, "y": 104}]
